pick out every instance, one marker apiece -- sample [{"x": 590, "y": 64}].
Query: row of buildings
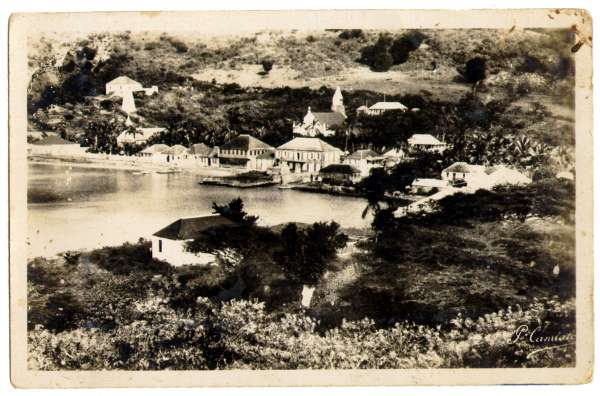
[{"x": 308, "y": 156}]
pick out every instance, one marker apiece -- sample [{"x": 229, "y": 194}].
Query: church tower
[{"x": 337, "y": 102}]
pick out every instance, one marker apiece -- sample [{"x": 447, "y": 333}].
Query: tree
[
  {"x": 404, "y": 45},
  {"x": 101, "y": 136},
  {"x": 378, "y": 56},
  {"x": 305, "y": 253},
  {"x": 234, "y": 211},
  {"x": 374, "y": 187},
  {"x": 474, "y": 71},
  {"x": 382, "y": 61},
  {"x": 267, "y": 65}
]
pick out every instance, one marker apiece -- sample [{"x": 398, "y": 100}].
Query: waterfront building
[
  {"x": 242, "y": 151},
  {"x": 57, "y": 146},
  {"x": 307, "y": 155},
  {"x": 169, "y": 243},
  {"x": 340, "y": 173},
  {"x": 365, "y": 160}
]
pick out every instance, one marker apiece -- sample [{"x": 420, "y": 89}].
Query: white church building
[{"x": 320, "y": 123}]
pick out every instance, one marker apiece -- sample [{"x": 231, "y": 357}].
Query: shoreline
[{"x": 126, "y": 165}]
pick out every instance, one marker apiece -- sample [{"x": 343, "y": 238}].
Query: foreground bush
[{"x": 241, "y": 334}]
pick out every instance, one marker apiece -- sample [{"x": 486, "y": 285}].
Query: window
[{"x": 160, "y": 245}]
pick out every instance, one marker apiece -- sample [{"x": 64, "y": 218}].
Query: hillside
[{"x": 211, "y": 89}]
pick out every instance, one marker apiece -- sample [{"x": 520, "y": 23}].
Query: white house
[
  {"x": 365, "y": 160},
  {"x": 380, "y": 108},
  {"x": 121, "y": 85},
  {"x": 474, "y": 176},
  {"x": 426, "y": 142},
  {"x": 393, "y": 156},
  {"x": 169, "y": 243},
  {"x": 242, "y": 151},
  {"x": 177, "y": 153},
  {"x": 479, "y": 177},
  {"x": 307, "y": 155},
  {"x": 155, "y": 153},
  {"x": 204, "y": 156},
  {"x": 140, "y": 136},
  {"x": 55, "y": 145},
  {"x": 500, "y": 174}
]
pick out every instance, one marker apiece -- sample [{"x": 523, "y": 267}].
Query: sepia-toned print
[{"x": 375, "y": 198}]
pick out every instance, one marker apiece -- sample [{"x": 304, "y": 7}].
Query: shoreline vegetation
[{"x": 453, "y": 297}]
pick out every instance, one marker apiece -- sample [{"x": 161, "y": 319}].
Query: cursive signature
[{"x": 535, "y": 336}]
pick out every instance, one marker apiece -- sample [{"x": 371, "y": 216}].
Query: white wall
[{"x": 173, "y": 252}]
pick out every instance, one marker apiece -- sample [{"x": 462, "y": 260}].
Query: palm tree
[{"x": 521, "y": 147}]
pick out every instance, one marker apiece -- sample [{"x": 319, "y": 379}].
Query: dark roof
[
  {"x": 245, "y": 142},
  {"x": 201, "y": 149},
  {"x": 362, "y": 154},
  {"x": 50, "y": 140},
  {"x": 331, "y": 118},
  {"x": 190, "y": 227},
  {"x": 340, "y": 168}
]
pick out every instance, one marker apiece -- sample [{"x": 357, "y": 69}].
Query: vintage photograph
[{"x": 302, "y": 198}]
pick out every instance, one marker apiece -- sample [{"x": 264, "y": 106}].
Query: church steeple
[{"x": 337, "y": 102}]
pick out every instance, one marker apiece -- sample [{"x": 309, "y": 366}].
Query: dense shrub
[
  {"x": 242, "y": 335},
  {"x": 351, "y": 34}
]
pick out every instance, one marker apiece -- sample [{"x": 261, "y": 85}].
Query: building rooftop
[
  {"x": 156, "y": 148},
  {"x": 124, "y": 80},
  {"x": 331, "y": 118},
  {"x": 245, "y": 142},
  {"x": 463, "y": 167},
  {"x": 388, "y": 106},
  {"x": 340, "y": 168},
  {"x": 363, "y": 154},
  {"x": 424, "y": 140},
  {"x": 307, "y": 144},
  {"x": 201, "y": 149},
  {"x": 188, "y": 228}
]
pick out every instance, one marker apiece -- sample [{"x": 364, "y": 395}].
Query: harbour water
[{"x": 71, "y": 208}]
